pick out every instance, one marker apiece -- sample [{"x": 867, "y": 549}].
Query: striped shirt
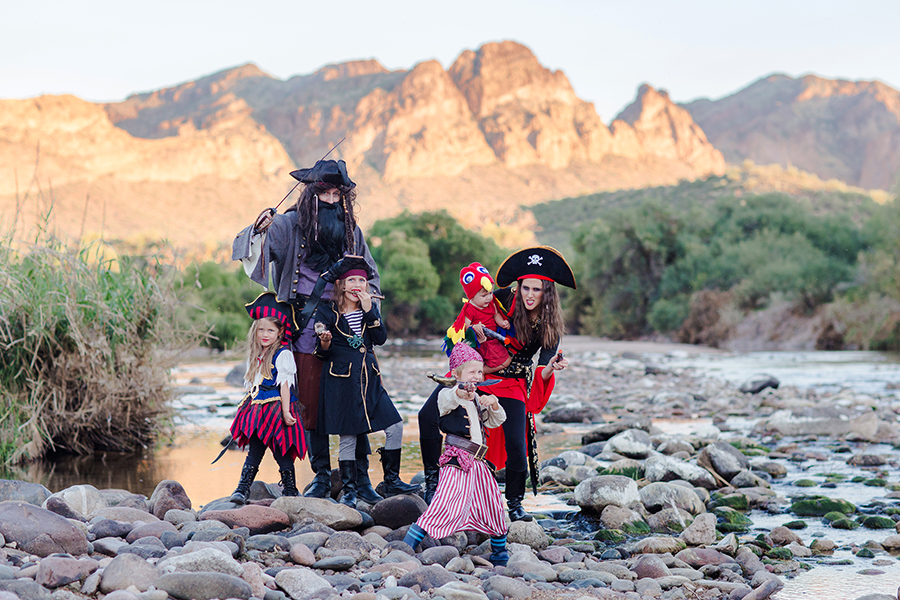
[{"x": 355, "y": 320}]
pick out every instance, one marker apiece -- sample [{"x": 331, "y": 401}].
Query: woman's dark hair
[
  {"x": 550, "y": 326},
  {"x": 322, "y": 251}
]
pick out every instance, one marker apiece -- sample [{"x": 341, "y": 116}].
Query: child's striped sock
[
  {"x": 416, "y": 534},
  {"x": 498, "y": 543}
]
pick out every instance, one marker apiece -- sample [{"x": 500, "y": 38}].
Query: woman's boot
[
  {"x": 248, "y": 474},
  {"x": 320, "y": 461},
  {"x": 390, "y": 464},
  {"x": 348, "y": 481},
  {"x": 364, "y": 489},
  {"x": 431, "y": 454},
  {"x": 515, "y": 493},
  {"x": 289, "y": 482}
]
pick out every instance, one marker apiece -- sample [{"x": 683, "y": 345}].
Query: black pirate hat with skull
[{"x": 538, "y": 262}]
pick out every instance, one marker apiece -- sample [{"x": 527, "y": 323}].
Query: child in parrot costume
[{"x": 481, "y": 311}]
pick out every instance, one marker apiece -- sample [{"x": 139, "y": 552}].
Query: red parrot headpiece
[{"x": 474, "y": 278}]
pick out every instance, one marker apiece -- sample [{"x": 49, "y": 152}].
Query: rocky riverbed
[{"x": 767, "y": 487}]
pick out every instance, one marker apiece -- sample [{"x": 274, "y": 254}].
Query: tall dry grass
[{"x": 87, "y": 339}]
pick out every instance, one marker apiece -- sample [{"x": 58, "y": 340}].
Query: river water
[{"x": 203, "y": 415}]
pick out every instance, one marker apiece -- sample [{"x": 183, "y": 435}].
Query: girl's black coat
[{"x": 352, "y": 399}]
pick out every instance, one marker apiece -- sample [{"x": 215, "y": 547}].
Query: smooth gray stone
[
  {"x": 335, "y": 563},
  {"x": 25, "y": 589},
  {"x": 204, "y": 586}
]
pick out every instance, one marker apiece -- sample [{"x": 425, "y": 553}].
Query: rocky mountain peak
[
  {"x": 503, "y": 72},
  {"x": 353, "y": 68},
  {"x": 666, "y": 130}
]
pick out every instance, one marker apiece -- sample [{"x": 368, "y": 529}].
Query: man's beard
[{"x": 327, "y": 246}]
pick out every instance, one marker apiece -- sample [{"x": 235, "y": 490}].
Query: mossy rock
[
  {"x": 894, "y": 487},
  {"x": 636, "y": 528},
  {"x": 805, "y": 483},
  {"x": 834, "y": 476},
  {"x": 892, "y": 511},
  {"x": 858, "y": 479},
  {"x": 865, "y": 553},
  {"x": 875, "y": 482},
  {"x": 632, "y": 472},
  {"x": 816, "y": 506},
  {"x": 833, "y": 516},
  {"x": 731, "y": 521},
  {"x": 844, "y": 524},
  {"x": 610, "y": 535},
  {"x": 736, "y": 501},
  {"x": 799, "y": 524},
  {"x": 876, "y": 522},
  {"x": 780, "y": 554},
  {"x": 753, "y": 451}
]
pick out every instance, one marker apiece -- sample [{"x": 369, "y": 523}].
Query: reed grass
[{"x": 87, "y": 339}]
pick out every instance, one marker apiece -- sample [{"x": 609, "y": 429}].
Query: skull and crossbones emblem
[{"x": 535, "y": 259}]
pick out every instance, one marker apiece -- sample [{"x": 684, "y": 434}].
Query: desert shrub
[{"x": 86, "y": 343}]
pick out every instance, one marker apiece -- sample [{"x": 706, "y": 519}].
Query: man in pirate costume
[
  {"x": 535, "y": 314},
  {"x": 293, "y": 249}
]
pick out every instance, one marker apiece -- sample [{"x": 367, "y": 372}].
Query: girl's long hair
[
  {"x": 338, "y": 295},
  {"x": 307, "y": 213},
  {"x": 255, "y": 349},
  {"x": 551, "y": 326}
]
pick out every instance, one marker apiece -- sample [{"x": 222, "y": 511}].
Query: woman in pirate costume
[
  {"x": 535, "y": 313},
  {"x": 352, "y": 399},
  {"x": 269, "y": 415},
  {"x": 293, "y": 249}
]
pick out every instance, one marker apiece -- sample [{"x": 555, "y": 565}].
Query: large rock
[
  {"x": 597, "y": 493},
  {"x": 126, "y": 570},
  {"x": 507, "y": 587},
  {"x": 657, "y": 496},
  {"x": 575, "y": 412},
  {"x": 301, "y": 583},
  {"x": 822, "y": 421},
  {"x": 426, "y": 578},
  {"x": 56, "y": 571},
  {"x": 332, "y": 514},
  {"x": 24, "y": 589},
  {"x": 124, "y": 513},
  {"x": 39, "y": 531},
  {"x": 12, "y": 490},
  {"x": 758, "y": 383},
  {"x": 605, "y": 432},
  {"x": 668, "y": 468},
  {"x": 528, "y": 533},
  {"x": 650, "y": 566},
  {"x": 153, "y": 529},
  {"x": 167, "y": 496},
  {"x": 702, "y": 532},
  {"x": 84, "y": 499},
  {"x": 202, "y": 561},
  {"x": 204, "y": 586},
  {"x": 727, "y": 460},
  {"x": 258, "y": 519},
  {"x": 397, "y": 511},
  {"x": 633, "y": 443},
  {"x": 697, "y": 557}
]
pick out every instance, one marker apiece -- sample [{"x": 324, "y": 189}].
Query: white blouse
[{"x": 284, "y": 364}]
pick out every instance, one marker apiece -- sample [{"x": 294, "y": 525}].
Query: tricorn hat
[
  {"x": 333, "y": 172},
  {"x": 268, "y": 305},
  {"x": 349, "y": 265},
  {"x": 539, "y": 262}
]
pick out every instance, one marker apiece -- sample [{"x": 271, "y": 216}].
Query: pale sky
[{"x": 103, "y": 50}]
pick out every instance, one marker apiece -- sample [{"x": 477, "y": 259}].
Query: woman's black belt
[{"x": 476, "y": 450}]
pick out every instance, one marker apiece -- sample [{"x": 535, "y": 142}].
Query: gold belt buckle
[{"x": 482, "y": 450}]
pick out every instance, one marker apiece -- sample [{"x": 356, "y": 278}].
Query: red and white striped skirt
[
  {"x": 465, "y": 500},
  {"x": 265, "y": 422}
]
